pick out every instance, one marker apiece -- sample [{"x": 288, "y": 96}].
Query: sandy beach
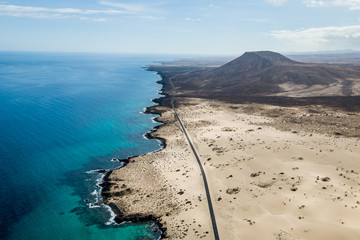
[{"x": 273, "y": 172}]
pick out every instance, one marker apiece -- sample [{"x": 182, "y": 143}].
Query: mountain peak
[
  {"x": 267, "y": 73},
  {"x": 272, "y": 56},
  {"x": 256, "y": 61}
]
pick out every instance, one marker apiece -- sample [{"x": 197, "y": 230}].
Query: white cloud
[
  {"x": 150, "y": 17},
  {"x": 351, "y": 4},
  {"x": 98, "y": 19},
  {"x": 318, "y": 36},
  {"x": 276, "y": 2},
  {"x": 42, "y": 12},
  {"x": 313, "y": 3},
  {"x": 129, "y": 7},
  {"x": 193, "y": 19}
]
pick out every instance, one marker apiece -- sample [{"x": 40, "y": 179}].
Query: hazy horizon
[{"x": 340, "y": 51}]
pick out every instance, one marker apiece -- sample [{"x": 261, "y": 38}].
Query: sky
[{"x": 179, "y": 26}]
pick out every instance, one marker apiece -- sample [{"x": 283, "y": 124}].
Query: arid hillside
[{"x": 268, "y": 73}]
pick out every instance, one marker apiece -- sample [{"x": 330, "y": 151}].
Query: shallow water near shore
[{"x": 63, "y": 115}]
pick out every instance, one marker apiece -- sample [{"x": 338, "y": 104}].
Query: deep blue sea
[{"x": 61, "y": 116}]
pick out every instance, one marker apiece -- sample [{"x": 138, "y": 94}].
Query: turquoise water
[{"x": 63, "y": 115}]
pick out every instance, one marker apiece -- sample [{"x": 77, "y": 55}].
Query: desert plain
[{"x": 274, "y": 173}]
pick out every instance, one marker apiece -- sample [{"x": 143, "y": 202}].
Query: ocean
[{"x": 63, "y": 115}]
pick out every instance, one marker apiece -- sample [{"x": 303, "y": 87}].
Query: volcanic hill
[{"x": 266, "y": 73}]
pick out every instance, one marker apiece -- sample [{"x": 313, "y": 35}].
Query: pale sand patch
[
  {"x": 334, "y": 89},
  {"x": 356, "y": 86},
  {"x": 265, "y": 183}
]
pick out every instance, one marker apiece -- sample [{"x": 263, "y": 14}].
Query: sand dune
[{"x": 269, "y": 177}]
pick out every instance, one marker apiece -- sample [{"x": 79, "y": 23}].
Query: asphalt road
[{"x": 211, "y": 210}]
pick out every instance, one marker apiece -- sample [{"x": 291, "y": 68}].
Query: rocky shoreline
[
  {"x": 120, "y": 216},
  {"x": 121, "y": 213}
]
